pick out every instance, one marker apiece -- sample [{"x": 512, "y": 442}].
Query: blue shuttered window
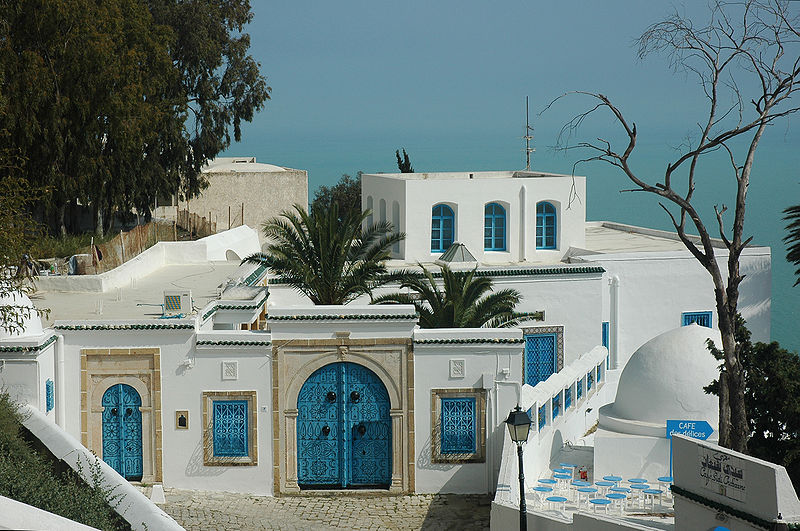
[
  {"x": 230, "y": 428},
  {"x": 494, "y": 228},
  {"x": 579, "y": 388},
  {"x": 542, "y": 416},
  {"x": 556, "y": 406},
  {"x": 589, "y": 381},
  {"x": 49, "y": 396},
  {"x": 604, "y": 334},
  {"x": 546, "y": 226},
  {"x": 567, "y": 398},
  {"x": 701, "y": 318},
  {"x": 600, "y": 372},
  {"x": 443, "y": 222},
  {"x": 459, "y": 426},
  {"x": 541, "y": 357}
]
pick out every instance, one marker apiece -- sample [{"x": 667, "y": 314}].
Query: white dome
[
  {"x": 30, "y": 321},
  {"x": 664, "y": 379}
]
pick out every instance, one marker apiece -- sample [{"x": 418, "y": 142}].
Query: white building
[{"x": 233, "y": 381}]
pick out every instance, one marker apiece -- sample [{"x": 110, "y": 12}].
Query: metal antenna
[{"x": 528, "y": 137}]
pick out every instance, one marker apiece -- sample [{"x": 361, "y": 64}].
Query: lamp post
[{"x": 519, "y": 424}]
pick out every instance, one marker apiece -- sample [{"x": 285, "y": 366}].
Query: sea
[{"x": 774, "y": 184}]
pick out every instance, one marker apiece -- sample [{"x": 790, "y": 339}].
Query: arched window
[
  {"x": 546, "y": 224},
  {"x": 442, "y": 228},
  {"x": 494, "y": 228}
]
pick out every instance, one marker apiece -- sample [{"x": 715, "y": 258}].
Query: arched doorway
[
  {"x": 122, "y": 430},
  {"x": 344, "y": 429}
]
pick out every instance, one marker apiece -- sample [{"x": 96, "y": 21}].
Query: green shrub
[{"x": 31, "y": 474}]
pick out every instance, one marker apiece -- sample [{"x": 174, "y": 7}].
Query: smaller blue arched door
[{"x": 122, "y": 430}]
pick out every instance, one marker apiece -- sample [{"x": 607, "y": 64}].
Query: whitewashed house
[{"x": 184, "y": 368}]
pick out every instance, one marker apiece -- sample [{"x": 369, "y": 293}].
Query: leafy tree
[
  {"x": 772, "y": 396},
  {"x": 746, "y": 60},
  {"x": 113, "y": 102},
  {"x": 345, "y": 194},
  {"x": 792, "y": 238},
  {"x": 218, "y": 84},
  {"x": 18, "y": 233},
  {"x": 329, "y": 258},
  {"x": 463, "y": 300},
  {"x": 404, "y": 165}
]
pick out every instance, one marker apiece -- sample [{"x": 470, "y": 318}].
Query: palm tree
[
  {"x": 463, "y": 301},
  {"x": 330, "y": 260},
  {"x": 792, "y": 238}
]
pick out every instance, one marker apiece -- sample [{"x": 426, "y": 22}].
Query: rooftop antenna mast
[{"x": 528, "y": 137}]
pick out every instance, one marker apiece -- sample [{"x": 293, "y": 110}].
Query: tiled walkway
[{"x": 198, "y": 510}]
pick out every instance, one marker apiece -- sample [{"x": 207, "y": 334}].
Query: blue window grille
[
  {"x": 494, "y": 228},
  {"x": 589, "y": 381},
  {"x": 579, "y": 388},
  {"x": 546, "y": 225},
  {"x": 556, "y": 405},
  {"x": 443, "y": 222},
  {"x": 541, "y": 357},
  {"x": 50, "y": 400},
  {"x": 604, "y": 335},
  {"x": 230, "y": 428},
  {"x": 600, "y": 372},
  {"x": 542, "y": 416},
  {"x": 458, "y": 426},
  {"x": 701, "y": 318},
  {"x": 567, "y": 398}
]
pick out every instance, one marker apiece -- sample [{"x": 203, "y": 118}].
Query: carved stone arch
[
  {"x": 299, "y": 378},
  {"x": 103, "y": 385}
]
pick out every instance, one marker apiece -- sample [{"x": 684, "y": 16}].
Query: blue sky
[{"x": 354, "y": 80}]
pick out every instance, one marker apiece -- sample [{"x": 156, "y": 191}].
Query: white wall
[
  {"x": 242, "y": 240},
  {"x": 468, "y": 198},
  {"x": 182, "y": 388},
  {"x": 655, "y": 288},
  {"x": 432, "y": 371}
]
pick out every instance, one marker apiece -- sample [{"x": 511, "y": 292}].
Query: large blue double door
[
  {"x": 344, "y": 430},
  {"x": 122, "y": 430}
]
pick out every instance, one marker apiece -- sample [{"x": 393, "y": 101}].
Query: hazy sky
[
  {"x": 354, "y": 80},
  {"x": 445, "y": 68}
]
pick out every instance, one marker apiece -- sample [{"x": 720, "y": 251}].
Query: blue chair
[
  {"x": 600, "y": 502},
  {"x": 619, "y": 498},
  {"x": 557, "y": 499}
]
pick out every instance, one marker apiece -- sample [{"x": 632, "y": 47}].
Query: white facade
[{"x": 407, "y": 200}]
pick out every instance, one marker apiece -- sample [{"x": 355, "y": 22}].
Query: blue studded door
[
  {"x": 344, "y": 430},
  {"x": 122, "y": 430},
  {"x": 541, "y": 357}
]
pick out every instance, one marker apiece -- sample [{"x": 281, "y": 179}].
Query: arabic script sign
[{"x": 722, "y": 473}]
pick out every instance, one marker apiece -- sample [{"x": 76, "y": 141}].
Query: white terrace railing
[{"x": 558, "y": 408}]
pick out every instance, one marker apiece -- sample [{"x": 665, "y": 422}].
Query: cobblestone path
[{"x": 198, "y": 510}]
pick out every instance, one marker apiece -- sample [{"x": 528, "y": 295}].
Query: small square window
[
  {"x": 701, "y": 318},
  {"x": 50, "y": 399},
  {"x": 229, "y": 420},
  {"x": 458, "y": 425}
]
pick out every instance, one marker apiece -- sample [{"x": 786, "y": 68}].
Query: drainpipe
[
  {"x": 614, "y": 325},
  {"x": 523, "y": 237},
  {"x": 61, "y": 392}
]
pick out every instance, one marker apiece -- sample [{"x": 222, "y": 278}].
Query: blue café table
[
  {"x": 615, "y": 479},
  {"x": 548, "y": 481},
  {"x": 581, "y": 483},
  {"x": 562, "y": 471},
  {"x": 637, "y": 480}
]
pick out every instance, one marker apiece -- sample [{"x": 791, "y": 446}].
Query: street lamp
[{"x": 519, "y": 424}]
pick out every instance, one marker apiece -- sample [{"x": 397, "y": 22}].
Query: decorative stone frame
[
  {"x": 391, "y": 359},
  {"x": 209, "y": 459},
  {"x": 558, "y": 331},
  {"x": 141, "y": 369},
  {"x": 480, "y": 429}
]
